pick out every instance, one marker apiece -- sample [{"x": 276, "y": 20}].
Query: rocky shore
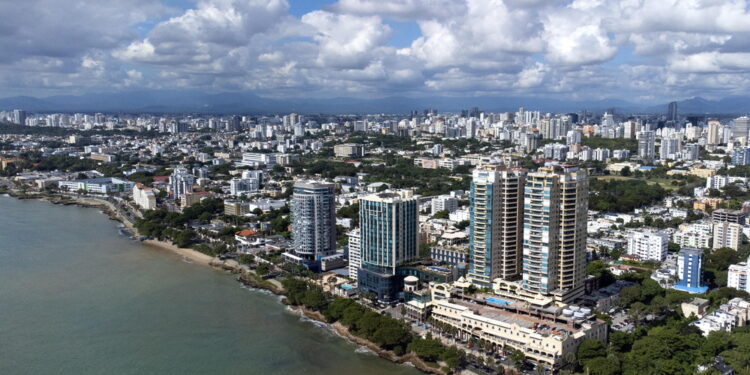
[{"x": 343, "y": 331}]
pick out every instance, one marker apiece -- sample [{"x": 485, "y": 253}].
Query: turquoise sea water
[{"x": 76, "y": 297}]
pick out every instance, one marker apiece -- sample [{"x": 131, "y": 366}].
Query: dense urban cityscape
[
  {"x": 599, "y": 243},
  {"x": 368, "y": 187}
]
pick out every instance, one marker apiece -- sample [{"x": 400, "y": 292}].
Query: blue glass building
[
  {"x": 689, "y": 270},
  {"x": 388, "y": 238}
]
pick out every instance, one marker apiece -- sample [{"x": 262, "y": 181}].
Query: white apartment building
[
  {"x": 355, "y": 253},
  {"x": 103, "y": 185},
  {"x": 694, "y": 235},
  {"x": 737, "y": 276},
  {"x": 242, "y": 186},
  {"x": 692, "y": 239},
  {"x": 734, "y": 313},
  {"x": 719, "y": 181},
  {"x": 727, "y": 235},
  {"x": 256, "y": 159},
  {"x": 648, "y": 245},
  {"x": 444, "y": 203},
  {"x": 459, "y": 215},
  {"x": 144, "y": 197},
  {"x": 180, "y": 183}
]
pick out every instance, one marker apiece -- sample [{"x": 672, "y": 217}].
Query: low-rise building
[
  {"x": 695, "y": 307},
  {"x": 452, "y": 255},
  {"x": 349, "y": 150},
  {"x": 692, "y": 239},
  {"x": 144, "y": 197},
  {"x": 648, "y": 245},
  {"x": 236, "y": 207},
  {"x": 728, "y": 216},
  {"x": 103, "y": 185},
  {"x": 706, "y": 203},
  {"x": 548, "y": 337},
  {"x": 189, "y": 199},
  {"x": 734, "y": 313}
]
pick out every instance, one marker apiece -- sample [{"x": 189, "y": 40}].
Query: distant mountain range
[{"x": 163, "y": 101}]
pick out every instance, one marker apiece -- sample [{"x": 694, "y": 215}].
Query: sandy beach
[
  {"x": 190, "y": 254},
  {"x": 95, "y": 202}
]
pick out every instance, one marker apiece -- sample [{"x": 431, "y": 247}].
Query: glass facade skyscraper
[
  {"x": 313, "y": 220},
  {"x": 388, "y": 237}
]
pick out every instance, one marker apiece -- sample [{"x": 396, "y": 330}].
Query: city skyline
[{"x": 650, "y": 52}]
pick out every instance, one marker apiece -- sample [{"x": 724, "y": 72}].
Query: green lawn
[{"x": 665, "y": 183}]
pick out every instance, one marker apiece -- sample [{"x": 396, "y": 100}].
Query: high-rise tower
[
  {"x": 313, "y": 220},
  {"x": 389, "y": 236},
  {"x": 496, "y": 229},
  {"x": 741, "y": 127},
  {"x": 672, "y": 112},
  {"x": 180, "y": 183},
  {"x": 714, "y": 127},
  {"x": 646, "y": 145},
  {"x": 554, "y": 238}
]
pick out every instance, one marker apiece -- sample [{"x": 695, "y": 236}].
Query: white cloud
[
  {"x": 346, "y": 41},
  {"x": 582, "y": 48},
  {"x": 532, "y": 76},
  {"x": 401, "y": 9}
]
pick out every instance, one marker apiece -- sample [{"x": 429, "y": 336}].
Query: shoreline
[
  {"x": 340, "y": 330},
  {"x": 110, "y": 210},
  {"x": 245, "y": 276},
  {"x": 190, "y": 254}
]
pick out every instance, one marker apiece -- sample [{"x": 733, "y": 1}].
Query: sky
[{"x": 636, "y": 50}]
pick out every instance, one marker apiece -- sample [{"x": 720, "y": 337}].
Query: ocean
[{"x": 77, "y": 297}]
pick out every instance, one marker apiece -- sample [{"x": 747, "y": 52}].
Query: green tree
[
  {"x": 443, "y": 214},
  {"x": 589, "y": 349},
  {"x": 601, "y": 270},
  {"x": 461, "y": 225},
  {"x": 620, "y": 342},
  {"x": 263, "y": 269},
  {"x": 335, "y": 310},
  {"x": 629, "y": 295},
  {"x": 393, "y": 336},
  {"x": 315, "y": 299},
  {"x": 518, "y": 358},
  {"x": 602, "y": 366},
  {"x": 428, "y": 349},
  {"x": 454, "y": 357},
  {"x": 246, "y": 258}
]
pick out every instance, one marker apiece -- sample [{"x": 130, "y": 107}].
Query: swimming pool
[
  {"x": 347, "y": 287},
  {"x": 497, "y": 301}
]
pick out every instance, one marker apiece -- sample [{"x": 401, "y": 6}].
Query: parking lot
[{"x": 621, "y": 322}]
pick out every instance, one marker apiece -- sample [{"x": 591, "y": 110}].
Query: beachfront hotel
[
  {"x": 388, "y": 238},
  {"x": 496, "y": 229},
  {"x": 313, "y": 209},
  {"x": 547, "y": 334}
]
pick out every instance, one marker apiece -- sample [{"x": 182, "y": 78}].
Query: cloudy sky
[{"x": 637, "y": 50}]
